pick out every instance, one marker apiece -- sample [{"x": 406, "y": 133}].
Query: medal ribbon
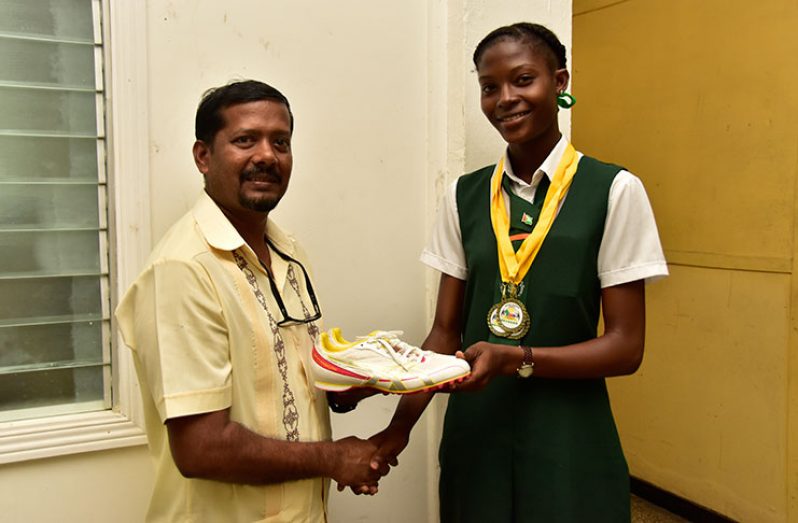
[{"x": 515, "y": 265}]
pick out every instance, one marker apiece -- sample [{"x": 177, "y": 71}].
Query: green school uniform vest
[{"x": 543, "y": 450}]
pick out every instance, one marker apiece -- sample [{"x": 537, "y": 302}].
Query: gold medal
[
  {"x": 509, "y": 318},
  {"x": 494, "y": 324}
]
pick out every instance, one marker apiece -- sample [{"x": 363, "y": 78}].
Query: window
[
  {"x": 56, "y": 202},
  {"x": 54, "y": 308}
]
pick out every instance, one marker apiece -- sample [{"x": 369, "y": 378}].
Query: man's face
[{"x": 248, "y": 165}]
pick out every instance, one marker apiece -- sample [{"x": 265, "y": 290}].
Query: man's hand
[
  {"x": 353, "y": 465},
  {"x": 390, "y": 443}
]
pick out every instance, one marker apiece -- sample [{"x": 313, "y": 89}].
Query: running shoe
[{"x": 381, "y": 361}]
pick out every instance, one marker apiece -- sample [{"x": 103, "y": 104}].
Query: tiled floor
[{"x": 645, "y": 512}]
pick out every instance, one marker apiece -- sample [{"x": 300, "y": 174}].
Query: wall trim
[
  {"x": 62, "y": 435},
  {"x": 675, "y": 504},
  {"x": 781, "y": 265}
]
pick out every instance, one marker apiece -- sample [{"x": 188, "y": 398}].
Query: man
[{"x": 221, "y": 323}]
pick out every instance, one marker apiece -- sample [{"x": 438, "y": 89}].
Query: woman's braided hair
[{"x": 534, "y": 34}]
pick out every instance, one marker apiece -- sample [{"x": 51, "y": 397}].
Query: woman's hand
[{"x": 487, "y": 361}]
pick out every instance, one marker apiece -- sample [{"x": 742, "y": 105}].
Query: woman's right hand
[
  {"x": 390, "y": 443},
  {"x": 487, "y": 361}
]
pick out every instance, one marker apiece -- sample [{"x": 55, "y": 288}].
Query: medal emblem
[{"x": 509, "y": 318}]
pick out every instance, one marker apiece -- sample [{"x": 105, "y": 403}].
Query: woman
[{"x": 531, "y": 250}]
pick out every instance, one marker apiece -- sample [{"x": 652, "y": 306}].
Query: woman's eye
[
  {"x": 525, "y": 79},
  {"x": 487, "y": 89}
]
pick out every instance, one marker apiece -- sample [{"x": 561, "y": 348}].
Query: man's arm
[{"x": 211, "y": 446}]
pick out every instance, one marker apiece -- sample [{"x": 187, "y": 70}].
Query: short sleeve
[
  {"x": 630, "y": 248},
  {"x": 172, "y": 319},
  {"x": 445, "y": 252}
]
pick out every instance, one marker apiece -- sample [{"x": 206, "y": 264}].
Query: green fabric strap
[{"x": 520, "y": 207}]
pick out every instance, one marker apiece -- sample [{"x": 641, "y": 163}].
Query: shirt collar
[
  {"x": 547, "y": 168},
  {"x": 220, "y": 233}
]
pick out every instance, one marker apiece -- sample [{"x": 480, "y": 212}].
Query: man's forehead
[{"x": 271, "y": 111}]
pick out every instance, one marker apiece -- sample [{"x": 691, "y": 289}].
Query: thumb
[{"x": 469, "y": 356}]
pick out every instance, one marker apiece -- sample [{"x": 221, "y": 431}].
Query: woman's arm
[
  {"x": 617, "y": 352},
  {"x": 444, "y": 337}
]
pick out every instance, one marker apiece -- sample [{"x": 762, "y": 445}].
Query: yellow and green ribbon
[{"x": 515, "y": 265}]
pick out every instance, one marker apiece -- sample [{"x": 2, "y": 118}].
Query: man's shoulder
[{"x": 183, "y": 241}]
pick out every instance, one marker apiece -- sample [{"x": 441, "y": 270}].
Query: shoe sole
[{"x": 335, "y": 387}]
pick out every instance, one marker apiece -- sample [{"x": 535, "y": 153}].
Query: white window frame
[{"x": 127, "y": 148}]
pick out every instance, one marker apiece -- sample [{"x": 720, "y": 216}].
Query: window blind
[{"x": 54, "y": 307}]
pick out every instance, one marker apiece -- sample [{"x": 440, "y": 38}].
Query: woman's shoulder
[
  {"x": 482, "y": 172},
  {"x": 477, "y": 178},
  {"x": 591, "y": 163}
]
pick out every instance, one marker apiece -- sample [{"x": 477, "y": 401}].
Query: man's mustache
[{"x": 268, "y": 173}]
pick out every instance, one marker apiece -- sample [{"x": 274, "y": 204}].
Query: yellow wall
[{"x": 700, "y": 99}]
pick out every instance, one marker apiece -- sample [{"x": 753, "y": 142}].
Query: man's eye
[
  {"x": 242, "y": 140},
  {"x": 283, "y": 143}
]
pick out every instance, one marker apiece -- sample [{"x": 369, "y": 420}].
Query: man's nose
[{"x": 263, "y": 153}]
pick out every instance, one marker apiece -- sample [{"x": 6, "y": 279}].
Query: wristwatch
[
  {"x": 338, "y": 408},
  {"x": 527, "y": 365}
]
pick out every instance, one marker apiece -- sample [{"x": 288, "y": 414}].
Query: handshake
[
  {"x": 378, "y": 362},
  {"x": 359, "y": 464}
]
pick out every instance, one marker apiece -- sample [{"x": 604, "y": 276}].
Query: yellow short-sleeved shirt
[{"x": 196, "y": 320}]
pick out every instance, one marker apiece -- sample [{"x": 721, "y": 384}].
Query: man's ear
[{"x": 202, "y": 154}]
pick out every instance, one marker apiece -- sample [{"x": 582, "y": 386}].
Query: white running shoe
[{"x": 381, "y": 361}]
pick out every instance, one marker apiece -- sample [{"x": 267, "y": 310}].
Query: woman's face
[{"x": 519, "y": 91}]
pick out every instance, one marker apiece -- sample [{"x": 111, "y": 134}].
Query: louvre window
[{"x": 54, "y": 304}]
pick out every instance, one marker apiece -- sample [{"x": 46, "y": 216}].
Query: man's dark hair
[
  {"x": 209, "y": 113},
  {"x": 534, "y": 34}
]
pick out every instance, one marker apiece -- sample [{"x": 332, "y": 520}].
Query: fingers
[
  {"x": 381, "y": 465},
  {"x": 368, "y": 490}
]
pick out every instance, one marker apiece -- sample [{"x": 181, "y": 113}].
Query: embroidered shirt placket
[
  {"x": 290, "y": 413},
  {"x": 313, "y": 330}
]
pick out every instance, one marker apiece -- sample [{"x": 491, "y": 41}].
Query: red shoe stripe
[{"x": 324, "y": 363}]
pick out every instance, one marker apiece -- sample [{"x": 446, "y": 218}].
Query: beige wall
[
  {"x": 385, "y": 103},
  {"x": 96, "y": 487},
  {"x": 699, "y": 99}
]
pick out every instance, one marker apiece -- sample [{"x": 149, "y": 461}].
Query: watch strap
[{"x": 527, "y": 364}]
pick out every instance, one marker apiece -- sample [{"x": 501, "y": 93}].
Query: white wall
[{"x": 386, "y": 111}]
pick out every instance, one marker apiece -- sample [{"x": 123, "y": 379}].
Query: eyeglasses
[{"x": 288, "y": 320}]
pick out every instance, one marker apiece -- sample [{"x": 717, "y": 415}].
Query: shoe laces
[{"x": 404, "y": 354}]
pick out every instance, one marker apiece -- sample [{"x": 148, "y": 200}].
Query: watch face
[{"x": 525, "y": 371}]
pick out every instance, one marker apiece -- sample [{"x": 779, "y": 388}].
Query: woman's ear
[{"x": 561, "y": 79}]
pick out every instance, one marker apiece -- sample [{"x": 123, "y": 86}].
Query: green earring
[{"x": 565, "y": 100}]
